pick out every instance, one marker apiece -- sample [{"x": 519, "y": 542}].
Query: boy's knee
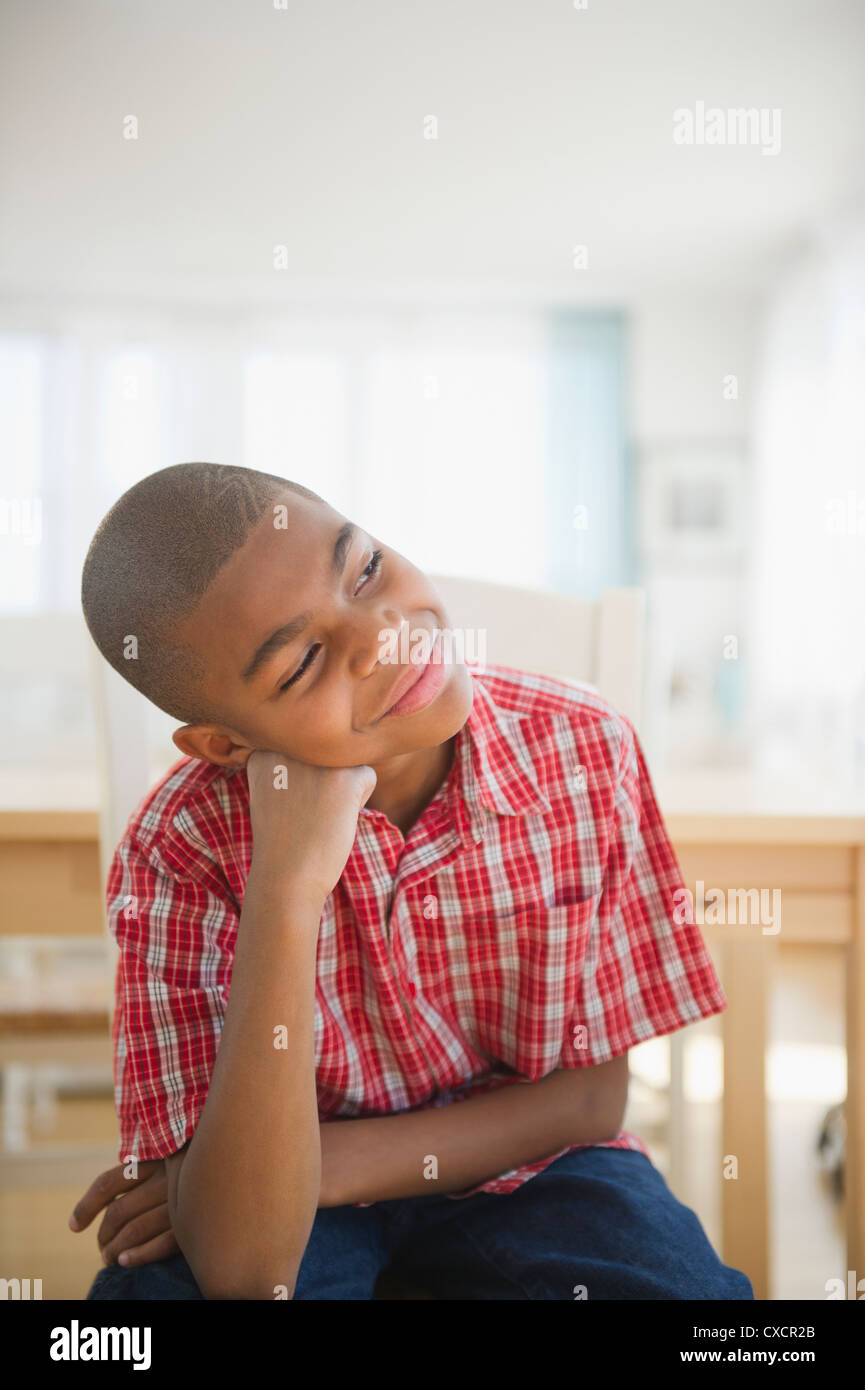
[
  {"x": 735, "y": 1285},
  {"x": 170, "y": 1279},
  {"x": 113, "y": 1282}
]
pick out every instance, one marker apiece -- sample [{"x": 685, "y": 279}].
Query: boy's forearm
[
  {"x": 248, "y": 1188},
  {"x": 388, "y": 1156}
]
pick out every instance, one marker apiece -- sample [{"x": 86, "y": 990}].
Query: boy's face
[{"x": 334, "y": 713}]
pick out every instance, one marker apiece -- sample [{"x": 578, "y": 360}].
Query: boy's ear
[{"x": 200, "y": 741}]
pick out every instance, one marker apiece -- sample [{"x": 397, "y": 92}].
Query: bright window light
[
  {"x": 294, "y": 422},
  {"x": 795, "y": 1071},
  {"x": 454, "y": 453},
  {"x": 21, "y": 392},
  {"x": 129, "y": 412}
]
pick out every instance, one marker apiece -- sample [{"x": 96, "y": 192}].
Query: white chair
[
  {"x": 55, "y": 1009},
  {"x": 123, "y": 761},
  {"x": 601, "y": 644},
  {"x": 53, "y": 992},
  {"x": 597, "y": 643}
]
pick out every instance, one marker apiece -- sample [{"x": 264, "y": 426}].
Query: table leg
[
  {"x": 747, "y": 962},
  {"x": 854, "y": 1169}
]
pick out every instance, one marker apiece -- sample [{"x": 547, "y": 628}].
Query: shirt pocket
[{"x": 528, "y": 968}]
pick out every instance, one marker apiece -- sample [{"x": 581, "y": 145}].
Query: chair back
[
  {"x": 595, "y": 643},
  {"x": 598, "y": 643}
]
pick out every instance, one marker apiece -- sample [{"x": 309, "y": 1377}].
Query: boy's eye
[
  {"x": 369, "y": 572},
  {"x": 304, "y": 666},
  {"x": 374, "y": 565}
]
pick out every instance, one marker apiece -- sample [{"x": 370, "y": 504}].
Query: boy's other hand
[
  {"x": 304, "y": 818},
  {"x": 136, "y": 1228}
]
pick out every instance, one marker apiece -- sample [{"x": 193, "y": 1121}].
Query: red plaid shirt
[{"x": 525, "y": 923}]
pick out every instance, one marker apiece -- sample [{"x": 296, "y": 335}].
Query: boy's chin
[{"x": 447, "y": 714}]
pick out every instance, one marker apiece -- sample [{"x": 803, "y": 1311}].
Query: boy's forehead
[
  {"x": 297, "y": 532},
  {"x": 269, "y": 574}
]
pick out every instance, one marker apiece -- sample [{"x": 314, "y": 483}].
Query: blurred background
[{"x": 494, "y": 280}]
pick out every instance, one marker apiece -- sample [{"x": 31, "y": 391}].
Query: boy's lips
[{"x": 409, "y": 679}]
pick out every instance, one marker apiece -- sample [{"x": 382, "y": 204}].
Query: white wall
[
  {"x": 684, "y": 350},
  {"x": 681, "y": 351}
]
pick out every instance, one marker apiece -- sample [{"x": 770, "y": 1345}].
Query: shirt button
[{"x": 412, "y": 989}]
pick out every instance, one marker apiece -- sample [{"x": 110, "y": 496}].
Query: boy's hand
[
  {"x": 304, "y": 818},
  {"x": 136, "y": 1228}
]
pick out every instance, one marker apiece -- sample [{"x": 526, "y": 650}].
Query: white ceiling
[{"x": 304, "y": 127}]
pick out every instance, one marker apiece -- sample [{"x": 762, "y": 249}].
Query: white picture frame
[{"x": 693, "y": 502}]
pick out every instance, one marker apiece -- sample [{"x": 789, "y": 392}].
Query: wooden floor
[{"x": 807, "y": 1235}]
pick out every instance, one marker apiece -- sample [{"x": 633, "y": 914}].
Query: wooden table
[
  {"x": 50, "y": 883},
  {"x": 818, "y": 863}
]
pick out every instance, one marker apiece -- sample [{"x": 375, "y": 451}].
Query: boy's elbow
[
  {"x": 611, "y": 1131},
  {"x": 250, "y": 1285},
  {"x": 225, "y": 1260},
  {"x": 612, "y": 1099},
  {"x": 240, "y": 1273}
]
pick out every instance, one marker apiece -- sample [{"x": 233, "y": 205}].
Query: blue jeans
[{"x": 599, "y": 1220}]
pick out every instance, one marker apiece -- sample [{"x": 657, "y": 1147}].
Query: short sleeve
[
  {"x": 647, "y": 971},
  {"x": 175, "y": 936}
]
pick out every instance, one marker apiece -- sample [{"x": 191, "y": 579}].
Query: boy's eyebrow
[{"x": 287, "y": 633}]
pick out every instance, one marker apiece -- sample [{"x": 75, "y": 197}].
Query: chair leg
[
  {"x": 45, "y": 1082},
  {"x": 16, "y": 1092},
  {"x": 678, "y": 1179}
]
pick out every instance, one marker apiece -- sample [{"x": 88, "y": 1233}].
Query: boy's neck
[{"x": 407, "y": 784}]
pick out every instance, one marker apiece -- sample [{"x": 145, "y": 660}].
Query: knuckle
[
  {"x": 133, "y": 1232},
  {"x": 104, "y": 1183},
  {"x": 110, "y": 1227}
]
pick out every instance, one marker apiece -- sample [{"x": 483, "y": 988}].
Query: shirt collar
[
  {"x": 497, "y": 774},
  {"x": 492, "y": 771}
]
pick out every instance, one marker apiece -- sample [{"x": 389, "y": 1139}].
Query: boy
[{"x": 374, "y": 888}]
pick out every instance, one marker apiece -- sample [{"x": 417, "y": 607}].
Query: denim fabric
[{"x": 602, "y": 1220}]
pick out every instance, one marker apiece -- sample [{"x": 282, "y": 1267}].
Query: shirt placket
[{"x": 410, "y": 862}]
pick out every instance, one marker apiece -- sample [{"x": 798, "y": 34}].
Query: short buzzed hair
[{"x": 152, "y": 559}]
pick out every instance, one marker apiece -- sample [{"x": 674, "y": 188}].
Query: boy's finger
[
  {"x": 104, "y": 1189},
  {"x": 162, "y": 1248},
  {"x": 152, "y": 1193},
  {"x": 141, "y": 1231}
]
